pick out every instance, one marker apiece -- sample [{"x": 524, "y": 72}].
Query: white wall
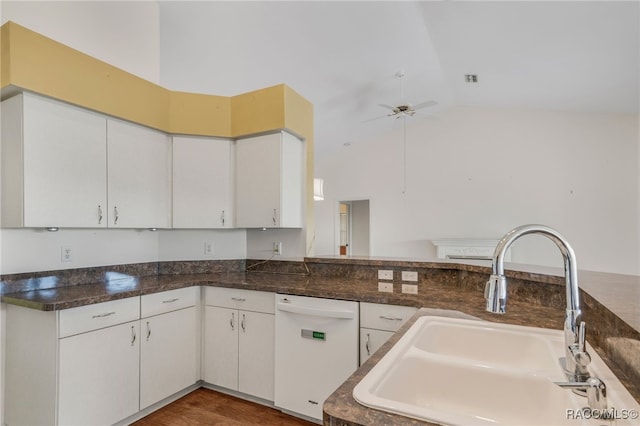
[
  {"x": 479, "y": 172},
  {"x": 125, "y": 34},
  {"x": 27, "y": 250},
  {"x": 188, "y": 244},
  {"x": 260, "y": 244}
]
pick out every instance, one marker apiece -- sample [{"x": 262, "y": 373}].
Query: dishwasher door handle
[{"x": 317, "y": 312}]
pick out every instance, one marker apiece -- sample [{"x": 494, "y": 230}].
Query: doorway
[{"x": 354, "y": 228}]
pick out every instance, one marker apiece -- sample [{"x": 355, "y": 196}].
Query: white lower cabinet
[
  {"x": 99, "y": 364},
  {"x": 239, "y": 333},
  {"x": 169, "y": 344},
  {"x": 77, "y": 366},
  {"x": 98, "y": 376},
  {"x": 378, "y": 322}
]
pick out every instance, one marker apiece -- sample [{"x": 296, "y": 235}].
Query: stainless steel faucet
[{"x": 495, "y": 292}]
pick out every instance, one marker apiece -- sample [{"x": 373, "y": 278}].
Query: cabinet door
[
  {"x": 139, "y": 176},
  {"x": 99, "y": 376},
  {"x": 256, "y": 354},
  {"x": 370, "y": 342},
  {"x": 167, "y": 355},
  {"x": 221, "y": 347},
  {"x": 202, "y": 183},
  {"x": 64, "y": 165},
  {"x": 258, "y": 181}
]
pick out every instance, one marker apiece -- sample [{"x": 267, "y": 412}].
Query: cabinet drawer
[
  {"x": 100, "y": 315},
  {"x": 167, "y": 301},
  {"x": 384, "y": 317},
  {"x": 249, "y": 300}
]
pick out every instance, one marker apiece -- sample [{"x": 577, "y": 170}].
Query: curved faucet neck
[{"x": 570, "y": 265}]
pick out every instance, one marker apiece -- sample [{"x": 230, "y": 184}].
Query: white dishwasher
[{"x": 316, "y": 350}]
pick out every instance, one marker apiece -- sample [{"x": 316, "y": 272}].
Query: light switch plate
[
  {"x": 410, "y": 288},
  {"x": 410, "y": 276},
  {"x": 384, "y": 274},
  {"x": 385, "y": 287}
]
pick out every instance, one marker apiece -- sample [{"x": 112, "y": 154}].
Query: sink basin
[
  {"x": 464, "y": 372},
  {"x": 490, "y": 344}
]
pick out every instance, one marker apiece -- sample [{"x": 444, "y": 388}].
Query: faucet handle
[{"x": 596, "y": 393}]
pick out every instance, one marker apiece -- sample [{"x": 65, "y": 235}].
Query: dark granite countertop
[{"x": 536, "y": 298}]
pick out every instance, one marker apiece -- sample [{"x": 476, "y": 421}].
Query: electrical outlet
[
  {"x": 410, "y": 276},
  {"x": 384, "y": 274},
  {"x": 66, "y": 254},
  {"x": 208, "y": 248},
  {"x": 410, "y": 288},
  {"x": 277, "y": 248},
  {"x": 385, "y": 287}
]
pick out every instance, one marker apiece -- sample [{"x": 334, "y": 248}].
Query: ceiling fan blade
[
  {"x": 424, "y": 105},
  {"x": 375, "y": 118}
]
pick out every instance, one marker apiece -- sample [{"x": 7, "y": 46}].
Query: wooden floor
[{"x": 207, "y": 407}]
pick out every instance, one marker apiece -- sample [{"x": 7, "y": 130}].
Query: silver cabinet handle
[
  {"x": 115, "y": 215},
  {"x": 238, "y": 299},
  {"x": 171, "y": 300},
  {"x": 99, "y": 214},
  {"x": 390, "y": 318},
  {"x": 232, "y": 322},
  {"x": 222, "y": 217},
  {"x": 106, "y": 314},
  {"x": 242, "y": 323},
  {"x": 275, "y": 214},
  {"x": 133, "y": 335},
  {"x": 367, "y": 345},
  {"x": 148, "y": 331}
]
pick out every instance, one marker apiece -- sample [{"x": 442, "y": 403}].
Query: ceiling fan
[{"x": 404, "y": 109}]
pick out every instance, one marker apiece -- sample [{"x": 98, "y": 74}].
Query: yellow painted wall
[
  {"x": 39, "y": 64},
  {"x": 44, "y": 66},
  {"x": 196, "y": 114}
]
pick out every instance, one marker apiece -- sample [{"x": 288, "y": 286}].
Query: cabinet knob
[
  {"x": 99, "y": 214},
  {"x": 275, "y": 215},
  {"x": 242, "y": 323},
  {"x": 232, "y": 322},
  {"x": 222, "y": 217},
  {"x": 115, "y": 215},
  {"x": 148, "y": 331}
]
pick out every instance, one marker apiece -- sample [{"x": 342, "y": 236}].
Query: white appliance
[{"x": 316, "y": 351}]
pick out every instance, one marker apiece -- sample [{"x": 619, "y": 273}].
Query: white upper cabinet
[
  {"x": 270, "y": 176},
  {"x": 53, "y": 164},
  {"x": 139, "y": 176},
  {"x": 202, "y": 182}
]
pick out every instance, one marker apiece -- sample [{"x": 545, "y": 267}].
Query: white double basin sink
[{"x": 454, "y": 371}]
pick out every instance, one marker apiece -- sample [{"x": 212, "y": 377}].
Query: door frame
[{"x": 336, "y": 227}]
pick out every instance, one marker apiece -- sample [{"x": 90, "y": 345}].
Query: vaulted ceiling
[{"x": 343, "y": 56}]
